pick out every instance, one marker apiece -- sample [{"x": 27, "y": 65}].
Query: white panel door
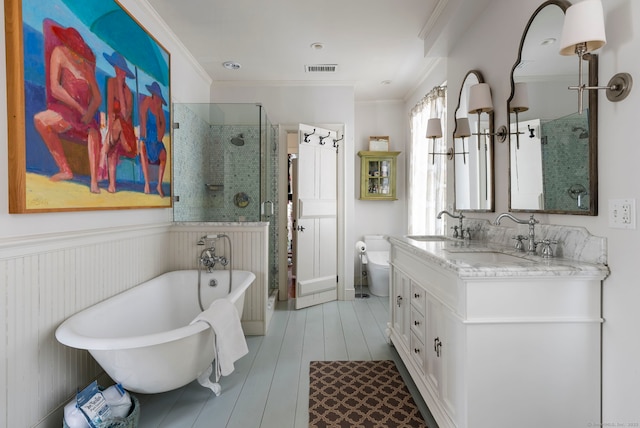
[{"x": 316, "y": 218}]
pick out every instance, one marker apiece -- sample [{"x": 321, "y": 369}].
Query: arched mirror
[
  {"x": 553, "y": 153},
  {"x": 473, "y": 148}
]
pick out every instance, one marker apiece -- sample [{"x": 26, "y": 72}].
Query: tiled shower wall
[
  {"x": 565, "y": 160},
  {"x": 203, "y": 156},
  {"x": 241, "y": 173},
  {"x": 46, "y": 279}
]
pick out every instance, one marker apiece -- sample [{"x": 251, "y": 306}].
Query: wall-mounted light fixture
[
  {"x": 434, "y": 130},
  {"x": 480, "y": 102},
  {"x": 518, "y": 104},
  {"x": 462, "y": 131},
  {"x": 583, "y": 32}
]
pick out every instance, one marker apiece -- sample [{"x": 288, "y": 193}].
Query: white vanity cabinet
[{"x": 498, "y": 350}]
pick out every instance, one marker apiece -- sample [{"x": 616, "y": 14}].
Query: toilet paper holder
[{"x": 361, "y": 248}]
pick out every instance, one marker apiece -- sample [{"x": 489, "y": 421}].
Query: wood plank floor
[{"x": 270, "y": 386}]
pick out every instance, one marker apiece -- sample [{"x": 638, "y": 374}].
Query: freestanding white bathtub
[{"x": 143, "y": 338}]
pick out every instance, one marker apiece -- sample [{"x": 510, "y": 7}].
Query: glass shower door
[{"x": 269, "y": 188}]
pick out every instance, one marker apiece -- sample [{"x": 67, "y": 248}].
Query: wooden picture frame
[
  {"x": 379, "y": 143},
  {"x": 78, "y": 137}
]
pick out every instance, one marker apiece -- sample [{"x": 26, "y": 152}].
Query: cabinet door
[
  {"x": 433, "y": 344},
  {"x": 401, "y": 304},
  {"x": 449, "y": 327},
  {"x": 440, "y": 349}
]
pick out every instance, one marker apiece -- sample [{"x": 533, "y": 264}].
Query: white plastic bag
[
  {"x": 73, "y": 417},
  {"x": 118, "y": 399}
]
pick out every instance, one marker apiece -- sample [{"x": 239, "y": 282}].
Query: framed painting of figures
[{"x": 88, "y": 92}]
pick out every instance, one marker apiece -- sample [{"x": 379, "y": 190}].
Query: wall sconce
[
  {"x": 462, "y": 131},
  {"x": 434, "y": 130},
  {"x": 480, "y": 102},
  {"x": 583, "y": 32},
  {"x": 518, "y": 104}
]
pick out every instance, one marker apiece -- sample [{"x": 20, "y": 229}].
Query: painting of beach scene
[{"x": 89, "y": 108}]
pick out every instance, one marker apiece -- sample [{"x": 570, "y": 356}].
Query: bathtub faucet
[{"x": 209, "y": 259}]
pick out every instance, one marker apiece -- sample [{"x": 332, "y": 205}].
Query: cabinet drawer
[
  {"x": 417, "y": 297},
  {"x": 418, "y": 353},
  {"x": 417, "y": 323}
]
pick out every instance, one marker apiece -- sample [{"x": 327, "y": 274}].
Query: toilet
[{"x": 377, "y": 264}]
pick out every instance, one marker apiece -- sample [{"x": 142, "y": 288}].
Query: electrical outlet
[{"x": 622, "y": 213}]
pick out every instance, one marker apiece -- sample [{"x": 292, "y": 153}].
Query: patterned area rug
[{"x": 360, "y": 394}]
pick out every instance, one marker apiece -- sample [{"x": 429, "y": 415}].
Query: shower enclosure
[{"x": 225, "y": 168}]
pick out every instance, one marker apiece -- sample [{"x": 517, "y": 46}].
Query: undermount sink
[
  {"x": 486, "y": 257},
  {"x": 427, "y": 237}
]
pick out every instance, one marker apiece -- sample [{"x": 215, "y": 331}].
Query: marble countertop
[{"x": 477, "y": 259}]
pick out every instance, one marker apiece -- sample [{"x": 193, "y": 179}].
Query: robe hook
[
  {"x": 322, "y": 143},
  {"x": 335, "y": 142},
  {"x": 307, "y": 135}
]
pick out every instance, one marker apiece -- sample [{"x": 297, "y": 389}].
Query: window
[{"x": 427, "y": 187}]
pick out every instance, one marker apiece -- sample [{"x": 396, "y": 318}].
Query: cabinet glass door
[{"x": 378, "y": 175}]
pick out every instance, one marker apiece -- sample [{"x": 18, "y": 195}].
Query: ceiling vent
[{"x": 321, "y": 68}]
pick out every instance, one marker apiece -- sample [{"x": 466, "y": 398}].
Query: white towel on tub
[{"x": 230, "y": 343}]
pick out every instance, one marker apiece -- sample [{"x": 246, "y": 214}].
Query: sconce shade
[
  {"x": 520, "y": 100},
  {"x": 434, "y": 129},
  {"x": 480, "y": 98},
  {"x": 462, "y": 128},
  {"x": 583, "y": 23}
]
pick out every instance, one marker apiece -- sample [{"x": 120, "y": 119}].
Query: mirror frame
[
  {"x": 592, "y": 60},
  {"x": 492, "y": 188}
]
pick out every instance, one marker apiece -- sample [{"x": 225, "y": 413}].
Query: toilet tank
[{"x": 376, "y": 243}]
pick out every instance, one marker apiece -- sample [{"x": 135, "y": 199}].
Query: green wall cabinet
[{"x": 378, "y": 175}]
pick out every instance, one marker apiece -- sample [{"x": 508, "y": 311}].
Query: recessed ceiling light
[
  {"x": 385, "y": 82},
  {"x": 231, "y": 65},
  {"x": 317, "y": 46},
  {"x": 549, "y": 41}
]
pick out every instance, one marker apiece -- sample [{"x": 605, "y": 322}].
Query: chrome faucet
[
  {"x": 459, "y": 217},
  {"x": 531, "y": 248},
  {"x": 209, "y": 259}
]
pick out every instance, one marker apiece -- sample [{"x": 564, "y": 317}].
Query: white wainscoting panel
[
  {"x": 45, "y": 279},
  {"x": 249, "y": 242}
]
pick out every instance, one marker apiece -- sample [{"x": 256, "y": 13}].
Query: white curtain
[{"x": 427, "y": 173}]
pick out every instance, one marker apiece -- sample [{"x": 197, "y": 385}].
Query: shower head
[{"x": 238, "y": 140}]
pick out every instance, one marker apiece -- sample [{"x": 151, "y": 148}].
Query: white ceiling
[{"x": 371, "y": 41}]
